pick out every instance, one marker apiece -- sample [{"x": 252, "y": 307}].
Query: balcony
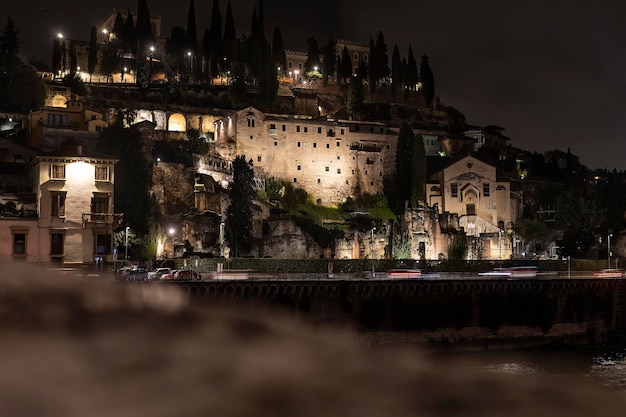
[
  {"x": 102, "y": 219},
  {"x": 362, "y": 147}
]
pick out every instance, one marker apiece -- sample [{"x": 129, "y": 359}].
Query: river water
[{"x": 605, "y": 366}]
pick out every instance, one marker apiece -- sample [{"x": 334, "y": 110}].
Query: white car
[{"x": 158, "y": 273}]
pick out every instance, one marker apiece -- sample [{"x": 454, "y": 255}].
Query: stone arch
[{"x": 177, "y": 123}]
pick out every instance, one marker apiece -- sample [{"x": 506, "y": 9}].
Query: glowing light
[{"x": 172, "y": 231}]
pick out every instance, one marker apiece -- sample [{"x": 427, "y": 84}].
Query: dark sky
[{"x": 550, "y": 72}]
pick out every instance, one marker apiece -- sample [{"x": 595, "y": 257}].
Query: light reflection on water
[{"x": 604, "y": 366}]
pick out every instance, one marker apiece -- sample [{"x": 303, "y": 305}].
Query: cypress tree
[
  {"x": 396, "y": 71},
  {"x": 411, "y": 71},
  {"x": 330, "y": 59},
  {"x": 238, "y": 225},
  {"x": 192, "y": 36},
  {"x": 313, "y": 56},
  {"x": 129, "y": 39},
  {"x": 428, "y": 80},
  {"x": 346, "y": 64},
  {"x": 118, "y": 27},
  {"x": 92, "y": 58},
  {"x": 216, "y": 39},
  {"x": 382, "y": 60},
  {"x": 279, "y": 58},
  {"x": 373, "y": 74}
]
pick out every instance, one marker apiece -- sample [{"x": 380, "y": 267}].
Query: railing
[
  {"x": 364, "y": 148},
  {"x": 103, "y": 218}
]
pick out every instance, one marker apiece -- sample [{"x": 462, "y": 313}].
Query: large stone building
[{"x": 331, "y": 159}]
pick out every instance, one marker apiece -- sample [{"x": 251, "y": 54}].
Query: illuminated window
[
  {"x": 102, "y": 174},
  {"x": 57, "y": 172}
]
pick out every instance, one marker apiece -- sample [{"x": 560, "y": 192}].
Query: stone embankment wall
[{"x": 463, "y": 313}]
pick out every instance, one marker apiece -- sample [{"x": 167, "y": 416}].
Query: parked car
[
  {"x": 169, "y": 276},
  {"x": 158, "y": 273},
  {"x": 610, "y": 273}
]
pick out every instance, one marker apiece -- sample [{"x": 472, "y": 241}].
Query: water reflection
[{"x": 603, "y": 366}]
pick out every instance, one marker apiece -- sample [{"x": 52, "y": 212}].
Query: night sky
[{"x": 550, "y": 72}]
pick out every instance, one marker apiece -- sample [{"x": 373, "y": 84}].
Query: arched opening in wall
[
  {"x": 500, "y": 224},
  {"x": 177, "y": 123},
  {"x": 59, "y": 101}
]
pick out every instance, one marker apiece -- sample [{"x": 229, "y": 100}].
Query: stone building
[{"x": 331, "y": 159}]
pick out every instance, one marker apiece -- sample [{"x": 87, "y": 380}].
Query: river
[{"x": 605, "y": 366}]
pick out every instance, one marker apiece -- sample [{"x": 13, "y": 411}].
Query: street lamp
[
  {"x": 123, "y": 73},
  {"x": 126, "y": 244},
  {"x": 150, "y": 69}
]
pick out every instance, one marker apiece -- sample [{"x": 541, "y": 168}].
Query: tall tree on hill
[
  {"x": 92, "y": 57},
  {"x": 410, "y": 175},
  {"x": 145, "y": 39},
  {"x": 177, "y": 71},
  {"x": 396, "y": 71},
  {"x": 21, "y": 89},
  {"x": 129, "y": 40},
  {"x": 261, "y": 24},
  {"x": 428, "y": 80},
  {"x": 381, "y": 60},
  {"x": 312, "y": 56},
  {"x": 118, "y": 27},
  {"x": 330, "y": 59},
  {"x": 192, "y": 36},
  {"x": 216, "y": 39},
  {"x": 372, "y": 75},
  {"x": 206, "y": 53},
  {"x": 354, "y": 105},
  {"x": 238, "y": 224},
  {"x": 346, "y": 65},
  {"x": 279, "y": 58},
  {"x": 412, "y": 76},
  {"x": 229, "y": 44}
]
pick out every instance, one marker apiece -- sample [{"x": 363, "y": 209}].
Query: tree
[
  {"x": 129, "y": 41},
  {"x": 279, "y": 58},
  {"x": 354, "y": 104},
  {"x": 330, "y": 59},
  {"x": 427, "y": 79},
  {"x": 580, "y": 219},
  {"x": 396, "y": 71},
  {"x": 215, "y": 36},
  {"x": 191, "y": 34},
  {"x": 238, "y": 224},
  {"x": 412, "y": 76},
  {"x": 229, "y": 43},
  {"x": 312, "y": 62},
  {"x": 145, "y": 39},
  {"x": 9, "y": 46},
  {"x": 132, "y": 197},
  {"x": 92, "y": 58},
  {"x": 381, "y": 61},
  {"x": 346, "y": 65},
  {"x": 410, "y": 170}
]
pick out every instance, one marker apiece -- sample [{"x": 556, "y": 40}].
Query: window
[
  {"x": 57, "y": 172},
  {"x": 338, "y": 170},
  {"x": 338, "y": 157},
  {"x": 284, "y": 128},
  {"x": 103, "y": 244},
  {"x": 486, "y": 189},
  {"x": 319, "y": 181},
  {"x": 275, "y": 143},
  {"x": 295, "y": 180},
  {"x": 290, "y": 65},
  {"x": 327, "y": 169},
  {"x": 19, "y": 243},
  {"x": 102, "y": 173},
  {"x": 299, "y": 167},
  {"x": 258, "y": 158},
  {"x": 470, "y": 209},
  {"x": 250, "y": 122},
  {"x": 251, "y": 137},
  {"x": 306, "y": 129},
  {"x": 99, "y": 206},
  {"x": 338, "y": 144},
  {"x": 319, "y": 130},
  {"x": 314, "y": 144},
  {"x": 297, "y": 128},
  {"x": 298, "y": 144},
  {"x": 57, "y": 203},
  {"x": 56, "y": 244},
  {"x": 365, "y": 58},
  {"x": 388, "y": 146},
  {"x": 272, "y": 126},
  {"x": 356, "y": 56},
  {"x": 328, "y": 146},
  {"x": 454, "y": 190},
  {"x": 342, "y": 131}
]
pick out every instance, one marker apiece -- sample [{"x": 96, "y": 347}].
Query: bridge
[{"x": 463, "y": 312}]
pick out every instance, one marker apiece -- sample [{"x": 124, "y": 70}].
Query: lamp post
[
  {"x": 150, "y": 69},
  {"x": 608, "y": 247},
  {"x": 190, "y": 55},
  {"x": 126, "y": 244}
]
